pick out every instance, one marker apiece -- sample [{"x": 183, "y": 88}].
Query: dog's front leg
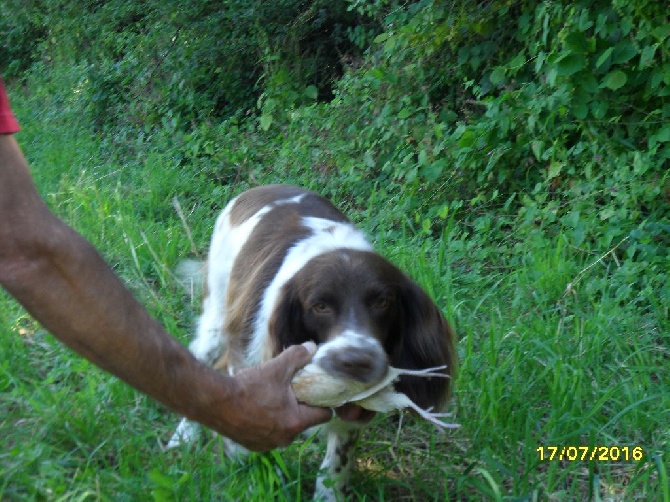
[{"x": 336, "y": 467}]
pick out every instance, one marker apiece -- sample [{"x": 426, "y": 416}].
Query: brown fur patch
[
  {"x": 256, "y": 265},
  {"x": 250, "y": 202}
]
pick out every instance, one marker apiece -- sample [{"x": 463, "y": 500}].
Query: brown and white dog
[{"x": 285, "y": 267}]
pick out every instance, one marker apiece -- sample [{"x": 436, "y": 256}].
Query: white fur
[
  {"x": 349, "y": 340},
  {"x": 333, "y": 473}
]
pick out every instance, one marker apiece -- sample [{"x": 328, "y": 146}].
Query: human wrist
[{"x": 210, "y": 398}]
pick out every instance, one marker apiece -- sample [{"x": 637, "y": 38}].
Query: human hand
[{"x": 267, "y": 413}]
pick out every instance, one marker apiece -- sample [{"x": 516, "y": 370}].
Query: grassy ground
[{"x": 551, "y": 356}]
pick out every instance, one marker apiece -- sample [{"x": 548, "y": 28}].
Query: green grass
[{"x": 540, "y": 366}]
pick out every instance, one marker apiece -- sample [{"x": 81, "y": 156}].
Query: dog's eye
[
  {"x": 380, "y": 303},
  {"x": 321, "y": 308}
]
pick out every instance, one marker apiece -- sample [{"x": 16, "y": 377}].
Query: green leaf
[
  {"x": 482, "y": 28},
  {"x": 662, "y": 32},
  {"x": 599, "y": 109},
  {"x": 312, "y": 92},
  {"x": 518, "y": 61},
  {"x": 570, "y": 64},
  {"x": 377, "y": 73},
  {"x": 580, "y": 109},
  {"x": 603, "y": 57},
  {"x": 606, "y": 213},
  {"x": 433, "y": 170},
  {"x": 497, "y": 75},
  {"x": 663, "y": 136},
  {"x": 266, "y": 121},
  {"x": 647, "y": 55},
  {"x": 657, "y": 75},
  {"x": 423, "y": 157},
  {"x": 587, "y": 84},
  {"x": 555, "y": 168},
  {"x": 467, "y": 139},
  {"x": 623, "y": 52},
  {"x": 615, "y": 80},
  {"x": 577, "y": 42},
  {"x": 426, "y": 225},
  {"x": 404, "y": 113}
]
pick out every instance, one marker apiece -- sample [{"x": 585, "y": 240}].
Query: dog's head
[{"x": 369, "y": 315}]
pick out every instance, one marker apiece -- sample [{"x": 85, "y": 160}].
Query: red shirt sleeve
[{"x": 8, "y": 122}]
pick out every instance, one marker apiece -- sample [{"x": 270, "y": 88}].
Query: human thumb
[{"x": 296, "y": 357}]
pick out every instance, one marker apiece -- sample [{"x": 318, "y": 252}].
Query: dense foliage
[
  {"x": 520, "y": 148},
  {"x": 191, "y": 59},
  {"x": 557, "y": 111}
]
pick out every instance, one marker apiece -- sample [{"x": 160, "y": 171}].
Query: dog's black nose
[{"x": 364, "y": 364}]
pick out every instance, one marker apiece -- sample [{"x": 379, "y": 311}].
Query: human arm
[{"x": 66, "y": 285}]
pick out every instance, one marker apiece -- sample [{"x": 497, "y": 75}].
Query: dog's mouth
[{"x": 351, "y": 412}]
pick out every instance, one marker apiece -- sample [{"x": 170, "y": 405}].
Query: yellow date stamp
[{"x": 582, "y": 453}]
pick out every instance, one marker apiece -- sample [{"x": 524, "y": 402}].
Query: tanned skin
[{"x": 64, "y": 283}]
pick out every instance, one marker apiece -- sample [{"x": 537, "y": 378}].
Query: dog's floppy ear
[
  {"x": 423, "y": 339},
  {"x": 285, "y": 325}
]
